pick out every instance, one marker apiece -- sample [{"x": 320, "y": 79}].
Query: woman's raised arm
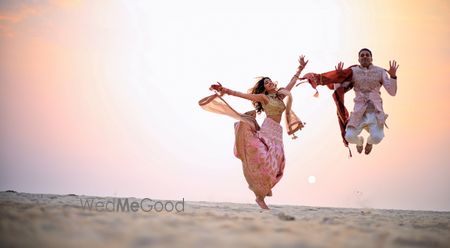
[
  {"x": 301, "y": 61},
  {"x": 252, "y": 97}
]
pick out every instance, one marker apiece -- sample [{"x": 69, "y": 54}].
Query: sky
[{"x": 101, "y": 98}]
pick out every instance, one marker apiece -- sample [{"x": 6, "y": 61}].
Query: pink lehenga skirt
[
  {"x": 262, "y": 155},
  {"x": 259, "y": 148}
]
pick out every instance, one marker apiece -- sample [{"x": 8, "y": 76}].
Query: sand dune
[{"x": 45, "y": 220}]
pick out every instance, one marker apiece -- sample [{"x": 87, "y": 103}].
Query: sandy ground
[{"x": 45, "y": 220}]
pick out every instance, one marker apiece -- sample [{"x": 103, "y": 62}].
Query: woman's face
[{"x": 269, "y": 85}]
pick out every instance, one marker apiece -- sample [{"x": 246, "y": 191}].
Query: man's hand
[
  {"x": 393, "y": 66},
  {"x": 339, "y": 68}
]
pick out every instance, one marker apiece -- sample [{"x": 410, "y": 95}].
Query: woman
[{"x": 260, "y": 148}]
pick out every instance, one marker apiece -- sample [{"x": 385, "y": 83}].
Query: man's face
[{"x": 365, "y": 59}]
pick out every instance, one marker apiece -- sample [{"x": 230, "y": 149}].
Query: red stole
[{"x": 329, "y": 79}]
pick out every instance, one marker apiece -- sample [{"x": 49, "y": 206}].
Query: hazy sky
[{"x": 100, "y": 98}]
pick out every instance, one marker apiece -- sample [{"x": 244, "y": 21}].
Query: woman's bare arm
[
  {"x": 294, "y": 79},
  {"x": 252, "y": 97}
]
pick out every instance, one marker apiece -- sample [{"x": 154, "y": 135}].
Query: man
[{"x": 368, "y": 113}]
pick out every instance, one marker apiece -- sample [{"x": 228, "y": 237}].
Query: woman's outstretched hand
[
  {"x": 218, "y": 88},
  {"x": 302, "y": 62}
]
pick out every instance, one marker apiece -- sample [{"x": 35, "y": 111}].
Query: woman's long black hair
[{"x": 258, "y": 89}]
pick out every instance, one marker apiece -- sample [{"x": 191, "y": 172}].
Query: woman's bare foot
[{"x": 261, "y": 203}]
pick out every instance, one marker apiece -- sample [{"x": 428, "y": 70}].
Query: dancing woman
[{"x": 260, "y": 148}]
